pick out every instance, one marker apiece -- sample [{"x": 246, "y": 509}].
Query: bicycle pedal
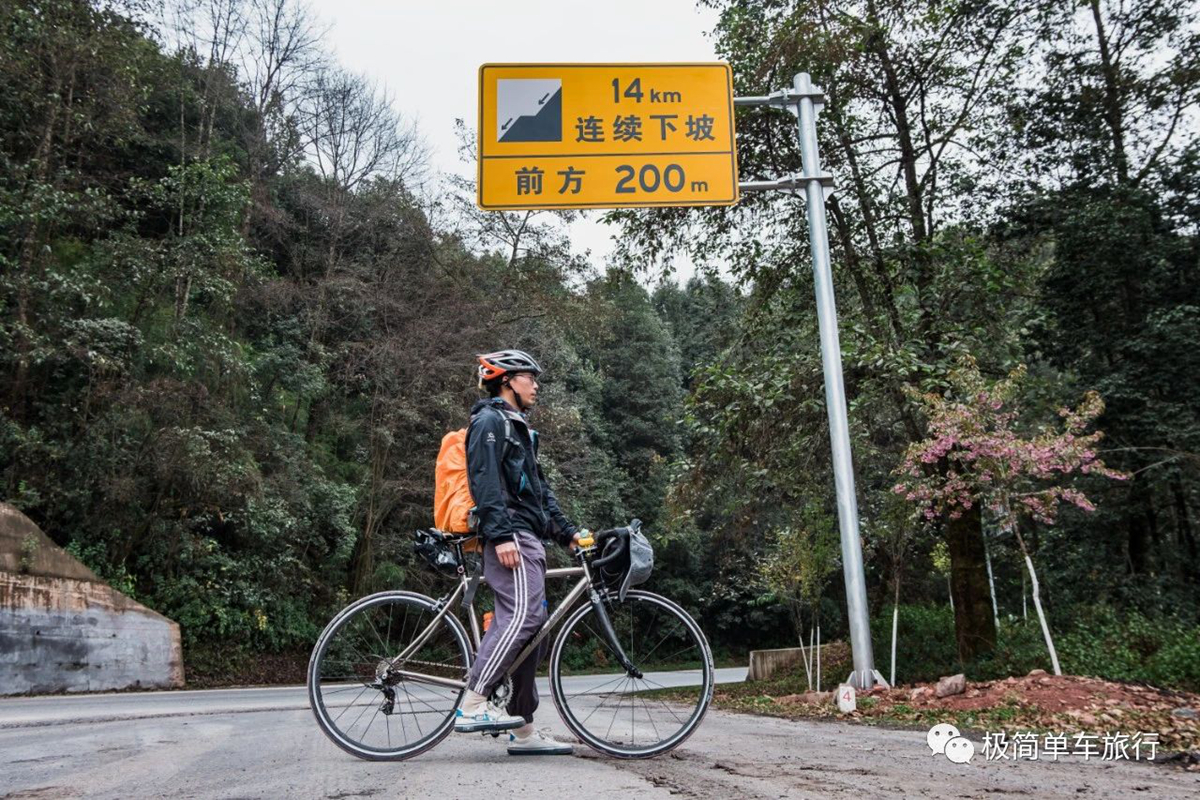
[{"x": 493, "y": 734}]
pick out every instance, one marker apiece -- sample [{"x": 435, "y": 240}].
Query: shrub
[
  {"x": 1132, "y": 647},
  {"x": 1097, "y": 642},
  {"x": 925, "y": 648}
]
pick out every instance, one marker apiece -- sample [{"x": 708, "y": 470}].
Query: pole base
[{"x": 876, "y": 677}]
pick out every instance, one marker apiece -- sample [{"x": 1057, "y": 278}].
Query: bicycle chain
[{"x": 409, "y": 661}]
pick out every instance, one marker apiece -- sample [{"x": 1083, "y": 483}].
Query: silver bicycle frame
[{"x": 448, "y": 603}]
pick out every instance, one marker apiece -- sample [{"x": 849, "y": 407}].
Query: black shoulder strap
[{"x": 509, "y": 439}]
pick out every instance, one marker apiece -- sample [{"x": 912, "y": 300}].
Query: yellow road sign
[{"x": 606, "y": 136}]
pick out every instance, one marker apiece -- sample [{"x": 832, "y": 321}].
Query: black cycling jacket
[{"x": 507, "y": 484}]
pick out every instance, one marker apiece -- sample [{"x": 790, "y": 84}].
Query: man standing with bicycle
[{"x": 516, "y": 510}]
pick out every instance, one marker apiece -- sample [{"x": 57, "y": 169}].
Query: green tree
[
  {"x": 1109, "y": 158},
  {"x": 640, "y": 389}
]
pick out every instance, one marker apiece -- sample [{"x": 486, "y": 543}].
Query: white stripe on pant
[
  {"x": 520, "y": 611},
  {"x": 508, "y": 638}
]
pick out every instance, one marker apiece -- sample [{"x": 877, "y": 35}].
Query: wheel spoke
[
  {"x": 403, "y": 726},
  {"x": 667, "y": 659},
  {"x": 605, "y": 700},
  {"x": 384, "y": 651},
  {"x": 344, "y": 689},
  {"x": 370, "y": 722},
  {"x": 594, "y": 688},
  {"x": 661, "y": 702},
  {"x": 668, "y": 636},
  {"x": 416, "y": 717},
  {"x": 649, "y": 717},
  {"x": 352, "y": 702},
  {"x": 603, "y": 640},
  {"x": 614, "y": 719},
  {"x": 418, "y": 699},
  {"x": 360, "y": 714}
]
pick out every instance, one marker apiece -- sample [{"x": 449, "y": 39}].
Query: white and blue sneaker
[
  {"x": 485, "y": 717},
  {"x": 537, "y": 744}
]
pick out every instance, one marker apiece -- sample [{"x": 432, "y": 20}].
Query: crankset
[{"x": 503, "y": 692}]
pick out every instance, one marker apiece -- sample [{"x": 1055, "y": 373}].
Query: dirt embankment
[{"x": 1036, "y": 702}]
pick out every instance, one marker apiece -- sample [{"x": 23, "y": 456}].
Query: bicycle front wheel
[
  {"x": 619, "y": 714},
  {"x": 359, "y": 699}
]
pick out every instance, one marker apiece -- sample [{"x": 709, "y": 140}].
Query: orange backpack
[{"x": 452, "y": 501}]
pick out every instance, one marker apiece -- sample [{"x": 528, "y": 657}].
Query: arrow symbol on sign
[
  {"x": 505, "y": 125},
  {"x": 542, "y": 102}
]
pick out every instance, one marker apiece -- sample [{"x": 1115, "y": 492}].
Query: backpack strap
[{"x": 509, "y": 438}]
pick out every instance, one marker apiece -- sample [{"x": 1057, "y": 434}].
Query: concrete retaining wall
[
  {"x": 765, "y": 663},
  {"x": 63, "y": 629},
  {"x": 60, "y": 634}
]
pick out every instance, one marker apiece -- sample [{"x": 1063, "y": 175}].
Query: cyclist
[{"x": 516, "y": 510}]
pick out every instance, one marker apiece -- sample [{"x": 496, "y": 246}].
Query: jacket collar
[{"x": 503, "y": 407}]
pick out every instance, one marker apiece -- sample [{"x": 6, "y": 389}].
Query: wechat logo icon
[{"x": 945, "y": 739}]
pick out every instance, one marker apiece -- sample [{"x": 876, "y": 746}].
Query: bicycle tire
[
  {"x": 571, "y": 716},
  {"x": 450, "y": 637}
]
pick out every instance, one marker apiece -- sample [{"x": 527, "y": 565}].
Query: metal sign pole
[{"x": 802, "y": 101}]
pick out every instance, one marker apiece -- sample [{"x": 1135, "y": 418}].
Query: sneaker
[
  {"x": 537, "y": 744},
  {"x": 488, "y": 717}
]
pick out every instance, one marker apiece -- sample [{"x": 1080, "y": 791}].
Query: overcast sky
[{"x": 428, "y": 52}]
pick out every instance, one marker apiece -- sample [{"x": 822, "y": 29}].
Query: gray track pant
[{"x": 520, "y": 611}]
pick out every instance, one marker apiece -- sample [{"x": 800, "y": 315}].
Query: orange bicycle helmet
[{"x": 503, "y": 362}]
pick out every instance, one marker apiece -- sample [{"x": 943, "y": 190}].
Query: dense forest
[{"x": 238, "y": 311}]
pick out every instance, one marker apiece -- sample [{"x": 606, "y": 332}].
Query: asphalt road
[
  {"x": 264, "y": 743},
  {"x": 64, "y": 709}
]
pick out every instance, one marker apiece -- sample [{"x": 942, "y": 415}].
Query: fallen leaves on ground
[{"x": 1036, "y": 702}]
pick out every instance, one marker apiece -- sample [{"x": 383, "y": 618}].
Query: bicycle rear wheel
[
  {"x": 623, "y": 715},
  {"x": 360, "y": 702}
]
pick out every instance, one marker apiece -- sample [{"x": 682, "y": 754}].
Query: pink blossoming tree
[{"x": 977, "y": 455}]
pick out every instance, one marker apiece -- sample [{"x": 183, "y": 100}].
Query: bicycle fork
[{"x": 610, "y": 634}]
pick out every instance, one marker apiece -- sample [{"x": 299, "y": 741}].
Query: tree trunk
[
  {"x": 895, "y": 98},
  {"x": 1138, "y": 527},
  {"x": 812, "y": 635},
  {"x": 1183, "y": 524},
  {"x": 1024, "y": 604},
  {"x": 1113, "y": 111},
  {"x": 1037, "y": 604},
  {"x": 804, "y": 654},
  {"x": 987, "y": 552},
  {"x": 974, "y": 626},
  {"x": 895, "y": 625},
  {"x": 818, "y": 656}
]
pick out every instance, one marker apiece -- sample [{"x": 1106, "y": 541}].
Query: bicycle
[{"x": 618, "y": 647}]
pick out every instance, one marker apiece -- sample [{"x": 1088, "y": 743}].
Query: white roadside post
[{"x": 804, "y": 100}]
